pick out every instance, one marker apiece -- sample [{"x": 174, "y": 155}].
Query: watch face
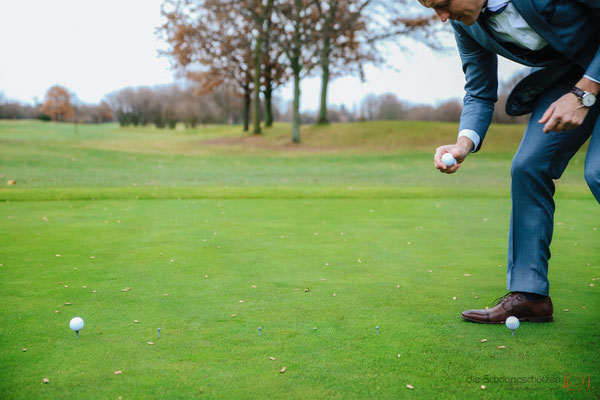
[{"x": 588, "y": 99}]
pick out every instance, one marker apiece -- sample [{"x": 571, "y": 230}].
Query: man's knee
[
  {"x": 526, "y": 165},
  {"x": 592, "y": 177}
]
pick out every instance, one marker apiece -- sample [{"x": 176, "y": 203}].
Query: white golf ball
[
  {"x": 512, "y": 323},
  {"x": 76, "y": 324},
  {"x": 448, "y": 159}
]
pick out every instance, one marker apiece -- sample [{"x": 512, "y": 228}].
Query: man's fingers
[
  {"x": 451, "y": 170},
  {"x": 437, "y": 159},
  {"x": 547, "y": 114},
  {"x": 552, "y": 124}
]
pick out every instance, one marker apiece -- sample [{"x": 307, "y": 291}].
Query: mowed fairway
[{"x": 213, "y": 234}]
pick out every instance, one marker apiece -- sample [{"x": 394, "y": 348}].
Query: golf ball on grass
[
  {"x": 448, "y": 159},
  {"x": 76, "y": 324},
  {"x": 512, "y": 323}
]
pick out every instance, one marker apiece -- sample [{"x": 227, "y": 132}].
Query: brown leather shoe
[{"x": 513, "y": 304}]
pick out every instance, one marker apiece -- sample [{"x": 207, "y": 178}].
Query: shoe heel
[{"x": 540, "y": 319}]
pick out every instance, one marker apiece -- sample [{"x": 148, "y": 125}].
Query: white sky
[{"x": 96, "y": 47}]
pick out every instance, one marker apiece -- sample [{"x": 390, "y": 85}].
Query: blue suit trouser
[{"x": 541, "y": 158}]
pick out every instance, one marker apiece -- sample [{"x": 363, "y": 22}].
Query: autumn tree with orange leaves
[
  {"x": 213, "y": 42},
  {"x": 57, "y": 104}
]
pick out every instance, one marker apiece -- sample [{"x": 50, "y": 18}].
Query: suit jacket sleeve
[
  {"x": 481, "y": 74},
  {"x": 593, "y": 70}
]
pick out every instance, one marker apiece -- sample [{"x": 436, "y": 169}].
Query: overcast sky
[{"x": 96, "y": 47}]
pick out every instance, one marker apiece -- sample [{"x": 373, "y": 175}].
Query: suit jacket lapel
[
  {"x": 484, "y": 38},
  {"x": 534, "y": 19}
]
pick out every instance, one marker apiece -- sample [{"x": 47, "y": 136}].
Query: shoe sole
[{"x": 535, "y": 320}]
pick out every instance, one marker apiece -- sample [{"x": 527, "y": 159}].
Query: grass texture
[{"x": 209, "y": 235}]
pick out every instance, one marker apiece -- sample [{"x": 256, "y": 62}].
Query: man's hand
[
  {"x": 460, "y": 151},
  {"x": 564, "y": 114},
  {"x": 568, "y": 113}
]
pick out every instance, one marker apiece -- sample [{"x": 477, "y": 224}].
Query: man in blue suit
[{"x": 561, "y": 41}]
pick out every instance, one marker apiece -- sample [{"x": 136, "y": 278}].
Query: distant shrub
[{"x": 44, "y": 117}]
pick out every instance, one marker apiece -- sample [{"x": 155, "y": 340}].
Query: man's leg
[
  {"x": 541, "y": 158},
  {"x": 592, "y": 162}
]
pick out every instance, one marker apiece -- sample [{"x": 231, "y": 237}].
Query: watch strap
[{"x": 577, "y": 92}]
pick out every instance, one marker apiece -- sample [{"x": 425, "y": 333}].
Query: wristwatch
[{"x": 587, "y": 99}]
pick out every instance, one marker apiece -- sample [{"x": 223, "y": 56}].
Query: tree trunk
[
  {"x": 296, "y": 120},
  {"x": 268, "y": 106},
  {"x": 257, "y": 74},
  {"x": 324, "y": 81},
  {"x": 247, "y": 100},
  {"x": 296, "y": 123},
  {"x": 295, "y": 64}
]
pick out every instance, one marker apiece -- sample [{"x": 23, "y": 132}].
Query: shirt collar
[{"x": 494, "y": 5}]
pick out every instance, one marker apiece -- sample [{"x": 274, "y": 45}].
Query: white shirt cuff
[
  {"x": 471, "y": 134},
  {"x": 591, "y": 79}
]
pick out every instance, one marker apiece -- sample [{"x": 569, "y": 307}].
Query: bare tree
[
  {"x": 351, "y": 30},
  {"x": 298, "y": 18}
]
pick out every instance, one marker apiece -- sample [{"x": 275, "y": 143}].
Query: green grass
[{"x": 203, "y": 216}]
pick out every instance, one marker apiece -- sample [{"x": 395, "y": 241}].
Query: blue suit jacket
[{"x": 571, "y": 27}]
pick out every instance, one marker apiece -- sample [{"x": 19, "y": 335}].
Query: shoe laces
[{"x": 501, "y": 299}]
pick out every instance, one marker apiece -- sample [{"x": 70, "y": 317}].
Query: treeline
[
  {"x": 166, "y": 105},
  {"x": 59, "y": 105}
]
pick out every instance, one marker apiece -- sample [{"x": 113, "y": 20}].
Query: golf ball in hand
[
  {"x": 76, "y": 324},
  {"x": 448, "y": 159},
  {"x": 512, "y": 323}
]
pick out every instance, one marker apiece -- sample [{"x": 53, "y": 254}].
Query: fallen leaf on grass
[
  {"x": 67, "y": 304},
  {"x": 272, "y": 358},
  {"x": 501, "y": 347},
  {"x": 282, "y": 370},
  {"x": 24, "y": 350},
  {"x": 118, "y": 372},
  {"x": 151, "y": 343},
  {"x": 411, "y": 387},
  {"x": 165, "y": 294},
  {"x": 135, "y": 321},
  {"x": 11, "y": 182},
  {"x": 296, "y": 289},
  {"x": 566, "y": 309},
  {"x": 242, "y": 301},
  {"x": 398, "y": 355},
  {"x": 56, "y": 312},
  {"x": 334, "y": 295},
  {"x": 454, "y": 298},
  {"x": 467, "y": 274},
  {"x": 358, "y": 259},
  {"x": 482, "y": 387},
  {"x": 483, "y": 340},
  {"x": 254, "y": 286},
  {"x": 307, "y": 290},
  {"x": 233, "y": 316},
  {"x": 58, "y": 255},
  {"x": 46, "y": 380}
]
